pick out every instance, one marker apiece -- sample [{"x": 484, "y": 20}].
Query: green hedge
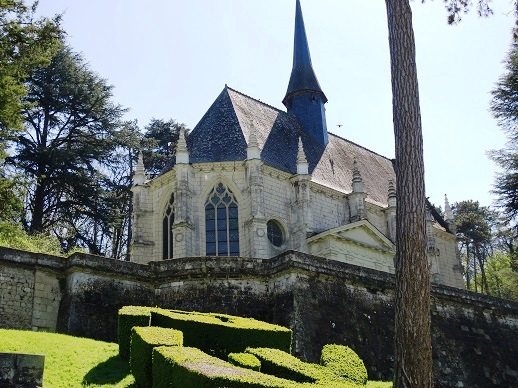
[
  {"x": 190, "y": 367},
  {"x": 220, "y": 334},
  {"x": 130, "y": 316},
  {"x": 245, "y": 360},
  {"x": 344, "y": 362},
  {"x": 143, "y": 340},
  {"x": 281, "y": 364}
]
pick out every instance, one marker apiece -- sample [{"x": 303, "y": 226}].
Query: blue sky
[{"x": 171, "y": 59}]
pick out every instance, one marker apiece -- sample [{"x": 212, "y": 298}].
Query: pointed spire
[
  {"x": 303, "y": 76},
  {"x": 302, "y": 162},
  {"x": 139, "y": 177},
  {"x": 304, "y": 98},
  {"x": 253, "y": 151},
  {"x": 357, "y": 178},
  {"x": 182, "y": 153},
  {"x": 448, "y": 213}
]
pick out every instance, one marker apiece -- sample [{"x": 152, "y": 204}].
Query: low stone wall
[
  {"x": 21, "y": 370},
  {"x": 475, "y": 337}
]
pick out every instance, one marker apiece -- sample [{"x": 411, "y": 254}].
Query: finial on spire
[
  {"x": 391, "y": 193},
  {"x": 302, "y": 162},
  {"x": 253, "y": 151},
  {"x": 182, "y": 153},
  {"x": 357, "y": 178},
  {"x": 448, "y": 213},
  {"x": 139, "y": 177}
]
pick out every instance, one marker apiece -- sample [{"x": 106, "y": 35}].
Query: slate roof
[{"x": 224, "y": 131}]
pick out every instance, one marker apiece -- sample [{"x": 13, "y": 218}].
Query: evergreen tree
[
  {"x": 69, "y": 137},
  {"x": 25, "y": 43},
  {"x": 159, "y": 144},
  {"x": 474, "y": 231},
  {"x": 504, "y": 106}
]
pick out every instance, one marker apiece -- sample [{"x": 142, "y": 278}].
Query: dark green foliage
[
  {"x": 159, "y": 144},
  {"x": 10, "y": 198},
  {"x": 130, "y": 316},
  {"x": 190, "y": 367},
  {"x": 143, "y": 340},
  {"x": 245, "y": 360},
  {"x": 68, "y": 143},
  {"x": 344, "y": 362},
  {"x": 219, "y": 334},
  {"x": 504, "y": 107},
  {"x": 281, "y": 364},
  {"x": 25, "y": 43},
  {"x": 474, "y": 235}
]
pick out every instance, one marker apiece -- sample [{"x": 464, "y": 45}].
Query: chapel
[{"x": 254, "y": 181}]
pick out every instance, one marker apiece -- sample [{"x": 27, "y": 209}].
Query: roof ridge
[
  {"x": 254, "y": 99},
  {"x": 358, "y": 145}
]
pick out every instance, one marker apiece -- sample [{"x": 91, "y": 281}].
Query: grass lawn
[
  {"x": 78, "y": 362},
  {"x": 71, "y": 361}
]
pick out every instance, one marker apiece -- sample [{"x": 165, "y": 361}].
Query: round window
[{"x": 274, "y": 232}]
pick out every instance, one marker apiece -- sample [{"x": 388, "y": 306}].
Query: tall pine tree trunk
[{"x": 413, "y": 350}]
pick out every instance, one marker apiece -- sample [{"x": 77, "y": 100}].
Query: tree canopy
[
  {"x": 504, "y": 107},
  {"x": 69, "y": 137},
  {"x": 25, "y": 43}
]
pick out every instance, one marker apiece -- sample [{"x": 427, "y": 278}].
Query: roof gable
[
  {"x": 218, "y": 136},
  {"x": 360, "y": 232}
]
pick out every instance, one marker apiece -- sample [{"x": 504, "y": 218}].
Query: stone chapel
[{"x": 254, "y": 181}]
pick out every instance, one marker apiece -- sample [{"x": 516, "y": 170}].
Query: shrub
[
  {"x": 344, "y": 362},
  {"x": 190, "y": 367},
  {"x": 143, "y": 340},
  {"x": 130, "y": 316},
  {"x": 281, "y": 364},
  {"x": 245, "y": 360},
  {"x": 220, "y": 334}
]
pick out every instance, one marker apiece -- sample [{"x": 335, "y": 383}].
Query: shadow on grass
[{"x": 111, "y": 371}]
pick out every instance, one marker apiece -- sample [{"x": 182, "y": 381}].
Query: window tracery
[{"x": 221, "y": 223}]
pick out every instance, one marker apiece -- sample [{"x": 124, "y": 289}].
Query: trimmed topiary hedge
[
  {"x": 220, "y": 334},
  {"x": 281, "y": 364},
  {"x": 143, "y": 340},
  {"x": 344, "y": 362},
  {"x": 128, "y": 317},
  {"x": 245, "y": 360},
  {"x": 190, "y": 367}
]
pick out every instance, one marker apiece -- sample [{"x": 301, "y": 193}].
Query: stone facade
[
  {"x": 289, "y": 185},
  {"x": 313, "y": 218},
  {"x": 323, "y": 301}
]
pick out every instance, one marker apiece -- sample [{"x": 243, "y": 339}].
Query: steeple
[{"x": 304, "y": 97}]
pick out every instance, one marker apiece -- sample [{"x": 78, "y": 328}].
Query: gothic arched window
[
  {"x": 221, "y": 223},
  {"x": 167, "y": 230}
]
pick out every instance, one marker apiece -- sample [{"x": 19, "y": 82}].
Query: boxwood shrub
[
  {"x": 344, "y": 362},
  {"x": 281, "y": 364},
  {"x": 245, "y": 360},
  {"x": 220, "y": 334},
  {"x": 128, "y": 317},
  {"x": 143, "y": 340},
  {"x": 190, "y": 367}
]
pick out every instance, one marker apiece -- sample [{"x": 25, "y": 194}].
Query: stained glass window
[
  {"x": 167, "y": 230},
  {"x": 221, "y": 223}
]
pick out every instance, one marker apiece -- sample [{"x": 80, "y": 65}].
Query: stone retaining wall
[{"x": 475, "y": 337}]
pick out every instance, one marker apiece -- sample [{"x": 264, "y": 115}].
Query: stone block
[{"x": 21, "y": 370}]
